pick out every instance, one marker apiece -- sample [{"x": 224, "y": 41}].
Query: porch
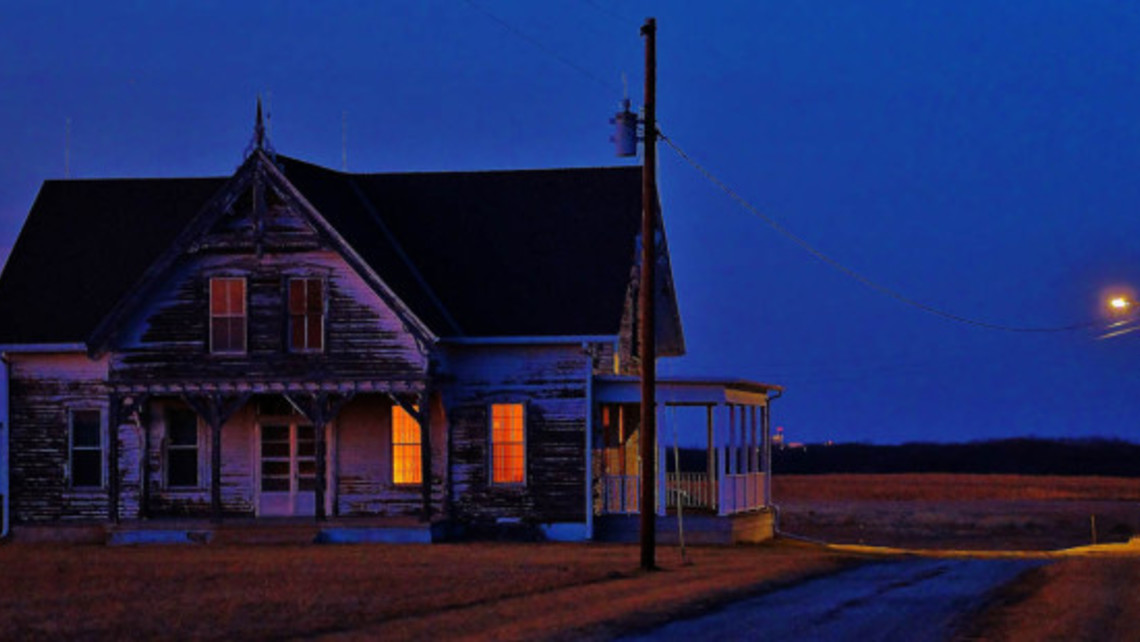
[
  {"x": 713, "y": 458},
  {"x": 279, "y": 453}
]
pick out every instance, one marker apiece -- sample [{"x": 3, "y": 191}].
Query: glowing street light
[{"x": 1120, "y": 304}]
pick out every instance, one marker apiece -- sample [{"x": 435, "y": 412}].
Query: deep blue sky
[{"x": 979, "y": 157}]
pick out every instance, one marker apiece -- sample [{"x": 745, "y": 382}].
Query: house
[{"x": 449, "y": 350}]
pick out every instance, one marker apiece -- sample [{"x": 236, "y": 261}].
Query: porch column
[
  {"x": 142, "y": 406},
  {"x": 321, "y": 408},
  {"x": 720, "y": 432},
  {"x": 753, "y": 458},
  {"x": 662, "y": 475},
  {"x": 215, "y": 409},
  {"x": 766, "y": 451},
  {"x": 114, "y": 409}
]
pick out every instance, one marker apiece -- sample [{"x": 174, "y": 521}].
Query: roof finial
[{"x": 259, "y": 128}]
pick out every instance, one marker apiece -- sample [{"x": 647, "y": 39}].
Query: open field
[
  {"x": 1073, "y": 599},
  {"x": 959, "y": 511},
  {"x": 490, "y": 591}
]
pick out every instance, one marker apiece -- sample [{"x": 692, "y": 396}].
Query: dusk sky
[{"x": 978, "y": 157}]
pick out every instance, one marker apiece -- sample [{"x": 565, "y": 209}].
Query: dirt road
[{"x": 912, "y": 600}]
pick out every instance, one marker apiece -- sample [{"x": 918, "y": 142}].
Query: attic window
[
  {"x": 227, "y": 316},
  {"x": 306, "y": 315}
]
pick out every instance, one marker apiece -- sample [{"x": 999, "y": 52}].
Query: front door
[{"x": 288, "y": 469}]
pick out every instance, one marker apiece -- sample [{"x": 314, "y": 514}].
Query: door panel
[{"x": 287, "y": 470}]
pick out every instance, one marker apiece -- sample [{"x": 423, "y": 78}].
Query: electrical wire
[
  {"x": 773, "y": 223},
  {"x": 851, "y": 272},
  {"x": 535, "y": 42}
]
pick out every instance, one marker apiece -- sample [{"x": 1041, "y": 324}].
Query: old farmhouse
[{"x": 437, "y": 354}]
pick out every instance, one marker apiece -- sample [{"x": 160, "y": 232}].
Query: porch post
[
  {"x": 710, "y": 452},
  {"x": 753, "y": 459},
  {"x": 215, "y": 468},
  {"x": 215, "y": 409},
  {"x": 425, "y": 454},
  {"x": 766, "y": 451},
  {"x": 722, "y": 466},
  {"x": 114, "y": 409},
  {"x": 662, "y": 478}
]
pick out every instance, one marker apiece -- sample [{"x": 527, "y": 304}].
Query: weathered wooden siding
[
  {"x": 551, "y": 381},
  {"x": 169, "y": 340},
  {"x": 364, "y": 461},
  {"x": 43, "y": 388},
  {"x": 239, "y": 452}
]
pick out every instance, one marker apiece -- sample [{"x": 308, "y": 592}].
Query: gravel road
[{"x": 913, "y": 600}]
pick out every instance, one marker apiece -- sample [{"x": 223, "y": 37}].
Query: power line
[
  {"x": 541, "y": 46},
  {"x": 851, "y": 272},
  {"x": 771, "y": 222}
]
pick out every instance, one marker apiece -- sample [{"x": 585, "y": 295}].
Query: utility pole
[{"x": 648, "y": 334}]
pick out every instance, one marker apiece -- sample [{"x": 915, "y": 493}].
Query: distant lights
[{"x": 1120, "y": 303}]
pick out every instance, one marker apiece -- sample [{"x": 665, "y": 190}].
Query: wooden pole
[{"x": 648, "y": 338}]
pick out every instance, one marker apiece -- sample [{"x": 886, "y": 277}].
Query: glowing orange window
[
  {"x": 306, "y": 315},
  {"x": 406, "y": 462},
  {"x": 508, "y": 444},
  {"x": 227, "y": 315}
]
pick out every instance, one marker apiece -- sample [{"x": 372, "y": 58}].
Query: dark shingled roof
[{"x": 497, "y": 253}]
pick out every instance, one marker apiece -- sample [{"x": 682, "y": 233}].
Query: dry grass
[
  {"x": 1075, "y": 599},
  {"x": 500, "y": 591},
  {"x": 951, "y": 488},
  {"x": 958, "y": 511}
]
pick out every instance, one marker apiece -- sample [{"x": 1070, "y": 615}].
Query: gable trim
[{"x": 100, "y": 338}]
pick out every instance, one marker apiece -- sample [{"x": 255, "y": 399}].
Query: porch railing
[
  {"x": 621, "y": 493},
  {"x": 691, "y": 490},
  {"x": 741, "y": 492}
]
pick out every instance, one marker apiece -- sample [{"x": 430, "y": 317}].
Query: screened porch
[{"x": 713, "y": 446}]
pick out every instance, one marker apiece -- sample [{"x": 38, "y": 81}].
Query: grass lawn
[{"x": 499, "y": 591}]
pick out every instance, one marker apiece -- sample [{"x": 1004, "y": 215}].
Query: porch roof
[
  {"x": 679, "y": 391},
  {"x": 270, "y": 387}
]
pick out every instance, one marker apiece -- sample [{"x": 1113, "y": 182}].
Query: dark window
[
  {"x": 86, "y": 449},
  {"x": 227, "y": 315},
  {"x": 306, "y": 315},
  {"x": 181, "y": 448}
]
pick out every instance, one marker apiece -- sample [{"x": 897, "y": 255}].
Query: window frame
[
  {"x": 168, "y": 445},
  {"x": 72, "y": 448},
  {"x": 306, "y": 279},
  {"x": 417, "y": 446},
  {"x": 244, "y": 316},
  {"x": 491, "y": 443}
]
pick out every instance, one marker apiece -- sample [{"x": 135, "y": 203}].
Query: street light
[{"x": 1120, "y": 304}]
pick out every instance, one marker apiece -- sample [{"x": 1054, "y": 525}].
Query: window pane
[
  {"x": 217, "y": 296},
  {"x": 297, "y": 332},
  {"x": 315, "y": 302},
  {"x": 406, "y": 464},
  {"x": 275, "y": 449},
  {"x": 85, "y": 429},
  {"x": 237, "y": 334},
  {"x": 306, "y": 433},
  {"x": 275, "y": 469},
  {"x": 275, "y": 433},
  {"x": 182, "y": 467},
  {"x": 87, "y": 468},
  {"x": 297, "y": 296},
  {"x": 275, "y": 484},
  {"x": 316, "y": 332},
  {"x": 236, "y": 296},
  {"x": 181, "y": 427}
]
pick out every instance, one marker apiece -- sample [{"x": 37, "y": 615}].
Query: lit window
[
  {"x": 181, "y": 448},
  {"x": 406, "y": 463},
  {"x": 227, "y": 315},
  {"x": 306, "y": 315},
  {"x": 508, "y": 445},
  {"x": 86, "y": 449}
]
